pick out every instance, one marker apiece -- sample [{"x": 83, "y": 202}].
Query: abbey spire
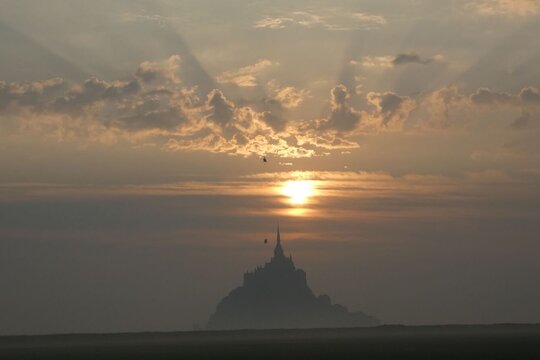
[{"x": 278, "y": 250}]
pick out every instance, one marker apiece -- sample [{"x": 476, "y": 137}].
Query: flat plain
[{"x": 382, "y": 342}]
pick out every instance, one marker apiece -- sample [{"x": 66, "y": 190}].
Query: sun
[{"x": 298, "y": 191}]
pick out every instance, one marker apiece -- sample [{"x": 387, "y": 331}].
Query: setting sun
[{"x": 298, "y": 191}]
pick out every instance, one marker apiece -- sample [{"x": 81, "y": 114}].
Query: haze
[{"x": 402, "y": 140}]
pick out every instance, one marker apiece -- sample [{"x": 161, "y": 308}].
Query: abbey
[{"x": 276, "y": 296}]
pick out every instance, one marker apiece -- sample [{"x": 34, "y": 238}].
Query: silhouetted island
[{"x": 277, "y": 296}]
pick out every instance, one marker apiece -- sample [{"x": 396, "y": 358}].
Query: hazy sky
[{"x": 402, "y": 138}]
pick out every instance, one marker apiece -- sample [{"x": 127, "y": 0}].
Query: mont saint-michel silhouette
[{"x": 277, "y": 296}]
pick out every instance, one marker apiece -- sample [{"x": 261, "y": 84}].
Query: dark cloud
[
  {"x": 410, "y": 58},
  {"x": 343, "y": 117},
  {"x": 530, "y": 96},
  {"x": 390, "y": 102},
  {"x": 275, "y": 117},
  {"x": 340, "y": 94},
  {"x": 270, "y": 110},
  {"x": 93, "y": 90},
  {"x": 391, "y": 107},
  {"x": 121, "y": 88},
  {"x": 220, "y": 110},
  {"x": 281, "y": 99},
  {"x": 438, "y": 104},
  {"x": 485, "y": 96}
]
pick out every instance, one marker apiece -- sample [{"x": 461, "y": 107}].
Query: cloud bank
[{"x": 155, "y": 107}]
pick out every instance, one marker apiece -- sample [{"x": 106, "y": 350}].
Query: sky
[{"x": 402, "y": 141}]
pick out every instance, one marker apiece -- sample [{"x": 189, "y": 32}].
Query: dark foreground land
[{"x": 383, "y": 342}]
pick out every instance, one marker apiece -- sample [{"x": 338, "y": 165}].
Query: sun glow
[{"x": 298, "y": 191}]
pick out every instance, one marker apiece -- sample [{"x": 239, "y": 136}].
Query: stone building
[{"x": 277, "y": 295}]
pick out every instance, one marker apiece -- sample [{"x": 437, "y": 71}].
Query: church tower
[{"x": 278, "y": 250}]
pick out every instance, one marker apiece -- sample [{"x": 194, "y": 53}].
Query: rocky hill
[{"x": 276, "y": 296}]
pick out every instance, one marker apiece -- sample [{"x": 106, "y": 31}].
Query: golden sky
[{"x": 401, "y": 138}]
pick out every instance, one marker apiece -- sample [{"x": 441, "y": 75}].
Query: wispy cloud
[
  {"x": 375, "y": 62},
  {"x": 503, "y": 7},
  {"x": 330, "y": 20},
  {"x": 391, "y": 61},
  {"x": 158, "y": 19},
  {"x": 336, "y": 194},
  {"x": 245, "y": 76}
]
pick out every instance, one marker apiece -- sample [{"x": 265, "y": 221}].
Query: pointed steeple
[{"x": 278, "y": 251}]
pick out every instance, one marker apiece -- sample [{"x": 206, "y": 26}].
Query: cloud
[
  {"x": 375, "y": 62},
  {"x": 529, "y": 102},
  {"x": 410, "y": 58},
  {"x": 167, "y": 119},
  {"x": 92, "y": 91},
  {"x": 485, "y": 96},
  {"x": 157, "y": 109},
  {"x": 158, "y": 19},
  {"x": 388, "y": 61},
  {"x": 288, "y": 96},
  {"x": 343, "y": 117},
  {"x": 274, "y": 22},
  {"x": 274, "y": 114},
  {"x": 154, "y": 107},
  {"x": 152, "y": 104},
  {"x": 161, "y": 71},
  {"x": 228, "y": 128},
  {"x": 331, "y": 19},
  {"x": 246, "y": 76},
  {"x": 220, "y": 110},
  {"x": 388, "y": 112},
  {"x": 503, "y": 7},
  {"x": 27, "y": 93},
  {"x": 530, "y": 96},
  {"x": 329, "y": 140},
  {"x": 371, "y": 19},
  {"x": 391, "y": 109},
  {"x": 438, "y": 104}
]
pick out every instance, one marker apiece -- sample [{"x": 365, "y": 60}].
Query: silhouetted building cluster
[{"x": 277, "y": 295}]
